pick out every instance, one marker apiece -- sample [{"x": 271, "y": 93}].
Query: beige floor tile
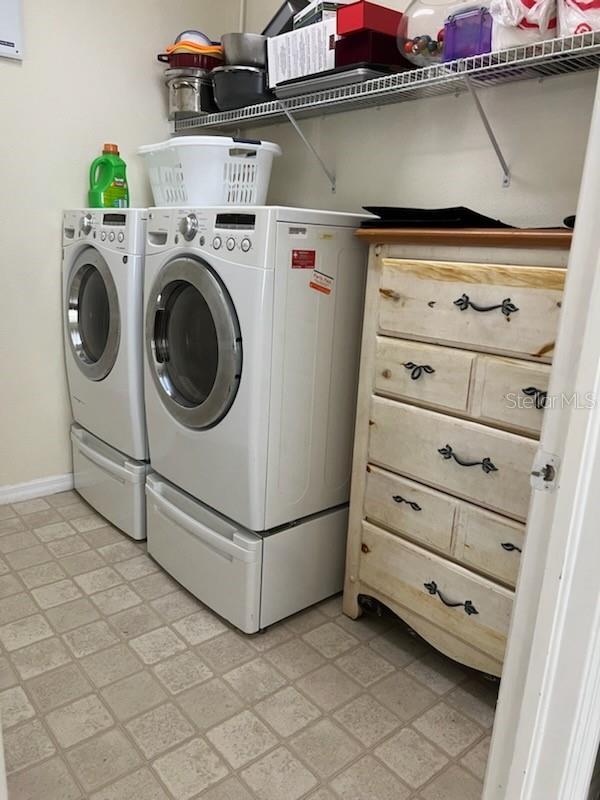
[
  {"x": 15, "y": 707},
  {"x": 30, "y": 506},
  {"x": 53, "y": 532},
  {"x": 7, "y": 674},
  {"x": 438, "y": 673},
  {"x": 287, "y": 711},
  {"x": 10, "y": 584},
  {"x": 255, "y": 680},
  {"x": 160, "y": 729},
  {"x": 152, "y": 586},
  {"x": 367, "y": 720},
  {"x": 326, "y": 747},
  {"x": 330, "y": 640},
  {"x": 111, "y": 601},
  {"x": 140, "y": 785},
  {"x": 16, "y": 607},
  {"x": 226, "y": 652},
  {"x": 63, "y": 498},
  {"x": 364, "y": 628},
  {"x": 241, "y": 739},
  {"x": 54, "y": 594},
  {"x": 266, "y": 640},
  {"x": 119, "y": 551},
  {"x": 182, "y": 672},
  {"x": 403, "y": 695},
  {"x": 210, "y": 703},
  {"x": 137, "y": 567},
  {"x": 133, "y": 695},
  {"x": 4, "y": 568},
  {"x": 72, "y": 615},
  {"x": 175, "y": 605},
  {"x": 26, "y": 745},
  {"x": 477, "y": 699},
  {"x": 398, "y": 646},
  {"x": 199, "y": 627},
  {"x": 321, "y": 794},
  {"x": 89, "y": 523},
  {"x": 64, "y": 548},
  {"x": 295, "y": 658},
  {"x": 12, "y": 525},
  {"x": 111, "y": 665},
  {"x": 229, "y": 789},
  {"x": 90, "y": 638},
  {"x": 305, "y": 621},
  {"x": 85, "y": 561},
  {"x": 54, "y": 689},
  {"x": 7, "y": 511},
  {"x": 190, "y": 769},
  {"x": 157, "y": 645},
  {"x": 41, "y": 574},
  {"x": 332, "y": 607},
  {"x": 453, "y": 784},
  {"x": 135, "y": 621},
  {"x": 50, "y": 781},
  {"x": 279, "y": 775},
  {"x": 17, "y": 541},
  {"x": 40, "y": 518},
  {"x": 448, "y": 728},
  {"x": 98, "y": 580},
  {"x": 328, "y": 687},
  {"x": 477, "y": 757},
  {"x": 79, "y": 721},
  {"x": 369, "y": 780},
  {"x": 102, "y": 759},
  {"x": 31, "y": 556},
  {"x": 74, "y": 510},
  {"x": 23, "y": 632},
  {"x": 365, "y": 665},
  {"x": 40, "y": 657},
  {"x": 102, "y": 536},
  {"x": 412, "y": 757}
]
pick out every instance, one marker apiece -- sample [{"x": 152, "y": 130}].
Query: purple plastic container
[{"x": 467, "y": 33}]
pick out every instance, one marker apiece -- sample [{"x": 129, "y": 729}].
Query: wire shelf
[{"x": 535, "y": 61}]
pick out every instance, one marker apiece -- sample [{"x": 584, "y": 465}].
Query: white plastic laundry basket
[{"x": 210, "y": 170}]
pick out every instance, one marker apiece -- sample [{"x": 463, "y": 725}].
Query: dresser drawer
[
  {"x": 486, "y": 466},
  {"x": 413, "y": 510},
  {"x": 511, "y": 393},
  {"x": 489, "y": 543},
  {"x": 509, "y": 310},
  {"x": 469, "y": 607},
  {"x": 424, "y": 373}
]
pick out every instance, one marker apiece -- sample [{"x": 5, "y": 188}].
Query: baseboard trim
[{"x": 37, "y": 488}]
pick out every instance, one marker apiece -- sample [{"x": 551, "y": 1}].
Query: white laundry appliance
[
  {"x": 103, "y": 273},
  {"x": 252, "y": 331}
]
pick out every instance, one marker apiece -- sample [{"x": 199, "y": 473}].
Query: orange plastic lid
[{"x": 111, "y": 148}]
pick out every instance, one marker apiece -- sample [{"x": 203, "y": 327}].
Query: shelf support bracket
[
  {"x": 490, "y": 133},
  {"x": 310, "y": 147}
]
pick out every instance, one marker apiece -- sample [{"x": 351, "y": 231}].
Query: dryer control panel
[{"x": 120, "y": 230}]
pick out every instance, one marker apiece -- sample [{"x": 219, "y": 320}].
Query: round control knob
[
  {"x": 217, "y": 242},
  {"x": 103, "y": 236},
  {"x": 121, "y": 237},
  {"x": 231, "y": 244},
  {"x": 85, "y": 224},
  {"x": 246, "y": 245},
  {"x": 188, "y": 227},
  {"x": 111, "y": 236}
]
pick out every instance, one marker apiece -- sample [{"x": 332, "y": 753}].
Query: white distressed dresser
[{"x": 458, "y": 339}]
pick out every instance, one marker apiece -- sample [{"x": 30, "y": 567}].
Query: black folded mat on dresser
[{"x": 457, "y": 217}]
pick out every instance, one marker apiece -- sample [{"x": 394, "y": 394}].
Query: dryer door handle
[{"x": 215, "y": 540}]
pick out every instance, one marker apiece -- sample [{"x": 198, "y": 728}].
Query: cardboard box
[
  {"x": 364, "y": 16},
  {"x": 318, "y": 11},
  {"x": 303, "y": 52}
]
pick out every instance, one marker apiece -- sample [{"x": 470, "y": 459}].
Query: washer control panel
[{"x": 113, "y": 229}]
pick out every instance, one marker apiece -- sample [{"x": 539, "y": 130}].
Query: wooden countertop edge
[{"x": 548, "y": 238}]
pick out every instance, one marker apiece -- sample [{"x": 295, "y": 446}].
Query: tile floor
[{"x": 116, "y": 684}]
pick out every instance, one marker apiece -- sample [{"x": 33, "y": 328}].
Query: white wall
[
  {"x": 434, "y": 152},
  {"x": 90, "y": 75}
]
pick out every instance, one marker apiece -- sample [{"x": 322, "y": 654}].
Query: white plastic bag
[
  {"x": 578, "y": 16},
  {"x": 519, "y": 22}
]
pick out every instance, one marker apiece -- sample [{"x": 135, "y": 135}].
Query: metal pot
[
  {"x": 190, "y": 93},
  {"x": 245, "y": 49},
  {"x": 236, "y": 87}
]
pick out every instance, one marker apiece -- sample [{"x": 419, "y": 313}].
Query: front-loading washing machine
[
  {"x": 252, "y": 334},
  {"x": 103, "y": 272}
]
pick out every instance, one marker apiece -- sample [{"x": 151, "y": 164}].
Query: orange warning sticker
[{"x": 321, "y": 282}]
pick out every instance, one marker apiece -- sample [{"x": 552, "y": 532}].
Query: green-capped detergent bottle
[{"x": 108, "y": 180}]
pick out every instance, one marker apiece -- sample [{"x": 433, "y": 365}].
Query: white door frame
[{"x": 547, "y": 726}]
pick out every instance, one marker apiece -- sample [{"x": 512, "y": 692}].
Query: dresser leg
[{"x": 350, "y": 605}]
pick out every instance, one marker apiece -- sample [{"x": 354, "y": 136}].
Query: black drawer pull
[
  {"x": 510, "y": 547},
  {"x": 506, "y": 306},
  {"x": 398, "y": 499},
  {"x": 486, "y": 464},
  {"x": 416, "y": 370},
  {"x": 540, "y": 396},
  {"x": 468, "y": 606}
]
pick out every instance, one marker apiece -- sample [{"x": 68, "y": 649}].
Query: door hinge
[{"x": 544, "y": 475}]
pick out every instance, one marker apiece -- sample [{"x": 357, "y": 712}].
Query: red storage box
[
  {"x": 370, "y": 47},
  {"x": 364, "y": 16}
]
